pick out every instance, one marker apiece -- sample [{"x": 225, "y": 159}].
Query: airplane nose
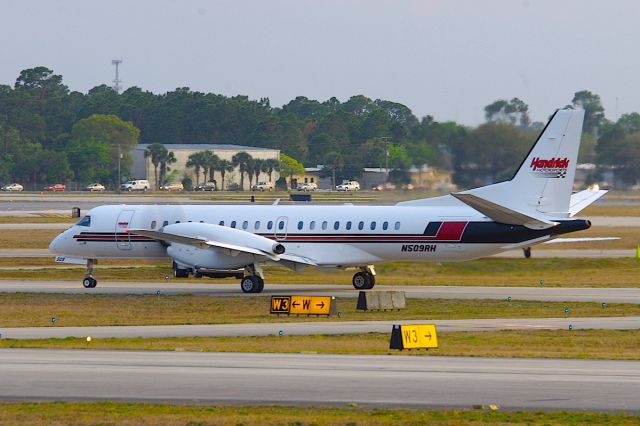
[{"x": 55, "y": 244}]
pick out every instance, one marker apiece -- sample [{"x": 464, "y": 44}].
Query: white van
[{"x": 136, "y": 185}]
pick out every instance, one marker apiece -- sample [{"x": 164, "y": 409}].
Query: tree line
[{"x": 49, "y": 133}]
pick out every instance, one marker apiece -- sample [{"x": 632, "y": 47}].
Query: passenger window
[
  {"x": 165, "y": 223},
  {"x": 270, "y": 225},
  {"x": 312, "y": 225},
  {"x": 221, "y": 223},
  {"x": 257, "y": 225},
  {"x": 245, "y": 224},
  {"x": 300, "y": 224},
  {"x": 153, "y": 224},
  {"x": 349, "y": 226},
  {"x": 373, "y": 226},
  {"x": 397, "y": 226},
  {"x": 177, "y": 221},
  {"x": 361, "y": 226},
  {"x": 281, "y": 225},
  {"x": 336, "y": 225},
  {"x": 324, "y": 225},
  {"x": 85, "y": 221},
  {"x": 202, "y": 221},
  {"x": 233, "y": 223},
  {"x": 385, "y": 225}
]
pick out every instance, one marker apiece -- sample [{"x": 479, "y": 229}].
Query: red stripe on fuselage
[{"x": 451, "y": 231}]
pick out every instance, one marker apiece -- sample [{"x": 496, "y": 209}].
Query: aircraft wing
[
  {"x": 200, "y": 242},
  {"x": 581, "y": 240},
  {"x": 503, "y": 214},
  {"x": 204, "y": 243}
]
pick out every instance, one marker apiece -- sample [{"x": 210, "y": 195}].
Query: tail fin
[{"x": 544, "y": 181}]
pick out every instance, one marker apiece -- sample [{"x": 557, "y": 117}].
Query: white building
[{"x": 143, "y": 168}]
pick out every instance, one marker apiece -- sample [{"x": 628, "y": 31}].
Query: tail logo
[{"x": 553, "y": 168}]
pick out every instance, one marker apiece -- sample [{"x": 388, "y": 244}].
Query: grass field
[
  {"x": 36, "y": 310},
  {"x": 576, "y": 344},
  {"x": 121, "y": 413},
  {"x": 556, "y": 272}
]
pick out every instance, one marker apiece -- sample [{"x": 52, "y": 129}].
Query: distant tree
[
  {"x": 197, "y": 161},
  {"x": 333, "y": 164},
  {"x": 514, "y": 112},
  {"x": 241, "y": 160},
  {"x": 593, "y": 110},
  {"x": 167, "y": 159},
  {"x": 213, "y": 163},
  {"x": 156, "y": 152},
  {"x": 259, "y": 166},
  {"x": 399, "y": 164},
  {"x": 271, "y": 165},
  {"x": 290, "y": 166},
  {"x": 224, "y": 166}
]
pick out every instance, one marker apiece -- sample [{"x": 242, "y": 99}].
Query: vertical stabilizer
[{"x": 544, "y": 181}]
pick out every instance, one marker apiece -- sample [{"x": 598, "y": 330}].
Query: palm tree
[
  {"x": 251, "y": 165},
  {"x": 206, "y": 158},
  {"x": 240, "y": 161},
  {"x": 224, "y": 166},
  {"x": 259, "y": 166},
  {"x": 167, "y": 159},
  {"x": 213, "y": 162},
  {"x": 156, "y": 151},
  {"x": 271, "y": 165},
  {"x": 196, "y": 160}
]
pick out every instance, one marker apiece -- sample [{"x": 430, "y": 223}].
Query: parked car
[
  {"x": 348, "y": 185},
  {"x": 262, "y": 186},
  {"x": 136, "y": 185},
  {"x": 207, "y": 186},
  {"x": 12, "y": 187},
  {"x": 55, "y": 188},
  {"x": 95, "y": 187},
  {"x": 173, "y": 186},
  {"x": 307, "y": 186}
]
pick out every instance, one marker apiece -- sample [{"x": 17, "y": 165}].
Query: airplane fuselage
[{"x": 330, "y": 235}]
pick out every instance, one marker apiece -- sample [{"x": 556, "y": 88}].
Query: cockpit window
[{"x": 85, "y": 221}]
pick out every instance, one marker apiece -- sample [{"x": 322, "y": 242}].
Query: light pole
[{"x": 119, "y": 177}]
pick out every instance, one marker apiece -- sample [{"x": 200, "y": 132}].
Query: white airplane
[{"x": 535, "y": 206}]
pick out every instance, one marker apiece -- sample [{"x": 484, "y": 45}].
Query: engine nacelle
[
  {"x": 211, "y": 258},
  {"x": 217, "y": 258}
]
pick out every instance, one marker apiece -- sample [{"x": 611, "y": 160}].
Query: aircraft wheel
[
  {"x": 252, "y": 284},
  {"x": 360, "y": 281},
  {"x": 89, "y": 282},
  {"x": 372, "y": 280}
]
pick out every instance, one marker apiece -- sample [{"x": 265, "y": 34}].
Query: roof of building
[{"x": 209, "y": 147}]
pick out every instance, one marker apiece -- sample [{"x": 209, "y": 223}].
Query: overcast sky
[{"x": 445, "y": 58}]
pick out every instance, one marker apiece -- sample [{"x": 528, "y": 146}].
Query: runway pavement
[
  {"x": 557, "y": 294},
  {"x": 323, "y": 327},
  {"x": 433, "y": 382}
]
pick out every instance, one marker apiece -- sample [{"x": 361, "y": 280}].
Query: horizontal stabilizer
[
  {"x": 583, "y": 199},
  {"x": 503, "y": 214}
]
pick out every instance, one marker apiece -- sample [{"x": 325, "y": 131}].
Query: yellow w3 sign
[
  {"x": 301, "y": 305},
  {"x": 414, "y": 336}
]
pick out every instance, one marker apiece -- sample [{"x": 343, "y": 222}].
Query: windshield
[{"x": 85, "y": 221}]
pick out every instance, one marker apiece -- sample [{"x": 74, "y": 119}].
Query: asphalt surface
[
  {"x": 430, "y": 382},
  {"x": 313, "y": 328},
  {"x": 540, "y": 292}
]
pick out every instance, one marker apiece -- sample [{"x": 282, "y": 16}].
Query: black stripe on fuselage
[{"x": 474, "y": 233}]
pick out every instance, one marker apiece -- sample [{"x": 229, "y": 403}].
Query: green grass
[
  {"x": 555, "y": 272},
  {"x": 36, "y": 310},
  {"x": 576, "y": 344},
  {"x": 122, "y": 413}
]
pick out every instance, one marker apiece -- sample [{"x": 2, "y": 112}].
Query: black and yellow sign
[
  {"x": 280, "y": 304},
  {"x": 302, "y": 305},
  {"x": 414, "y": 336}
]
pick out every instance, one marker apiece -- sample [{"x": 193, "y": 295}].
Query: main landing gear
[
  {"x": 179, "y": 272},
  {"x": 365, "y": 279},
  {"x": 89, "y": 281},
  {"x": 253, "y": 281}
]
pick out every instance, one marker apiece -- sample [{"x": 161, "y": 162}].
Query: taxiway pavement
[
  {"x": 320, "y": 327},
  {"x": 424, "y": 381},
  {"x": 539, "y": 292}
]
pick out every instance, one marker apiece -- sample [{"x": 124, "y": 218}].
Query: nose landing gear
[{"x": 89, "y": 281}]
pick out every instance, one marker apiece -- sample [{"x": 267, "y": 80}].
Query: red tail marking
[{"x": 451, "y": 231}]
